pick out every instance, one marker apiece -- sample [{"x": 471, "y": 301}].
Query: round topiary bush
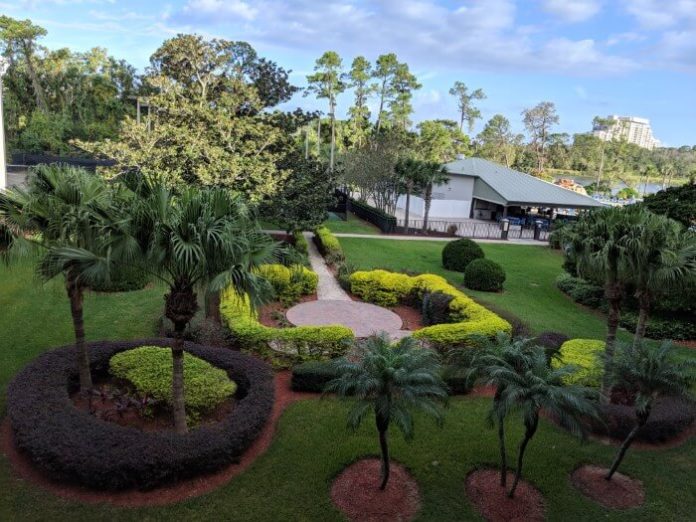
[
  {"x": 72, "y": 446},
  {"x": 484, "y": 275},
  {"x": 458, "y": 254}
]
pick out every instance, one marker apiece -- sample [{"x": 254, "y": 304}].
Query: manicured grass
[
  {"x": 293, "y": 479},
  {"x": 353, "y": 225}
]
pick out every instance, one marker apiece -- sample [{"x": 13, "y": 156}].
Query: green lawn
[{"x": 353, "y": 225}]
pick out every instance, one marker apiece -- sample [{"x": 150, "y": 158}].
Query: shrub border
[{"x": 71, "y": 445}]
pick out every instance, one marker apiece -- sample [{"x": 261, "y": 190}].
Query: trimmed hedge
[
  {"x": 466, "y": 315},
  {"x": 123, "y": 279},
  {"x": 73, "y": 446},
  {"x": 669, "y": 417},
  {"x": 580, "y": 290},
  {"x": 301, "y": 244},
  {"x": 289, "y": 283},
  {"x": 149, "y": 369},
  {"x": 459, "y": 253},
  {"x": 285, "y": 345},
  {"x": 484, "y": 275},
  {"x": 385, "y": 222},
  {"x": 329, "y": 246},
  {"x": 585, "y": 354}
]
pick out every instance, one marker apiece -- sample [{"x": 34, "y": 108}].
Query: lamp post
[{"x": 4, "y": 64}]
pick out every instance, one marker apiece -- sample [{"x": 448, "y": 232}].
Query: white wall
[{"x": 449, "y": 201}]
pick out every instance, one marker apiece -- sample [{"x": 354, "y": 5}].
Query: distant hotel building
[{"x": 632, "y": 129}]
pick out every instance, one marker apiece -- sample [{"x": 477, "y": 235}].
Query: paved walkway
[{"x": 334, "y": 305}]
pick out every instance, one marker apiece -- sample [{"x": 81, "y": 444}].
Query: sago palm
[
  {"x": 197, "y": 240},
  {"x": 390, "y": 381},
  {"x": 536, "y": 387},
  {"x": 661, "y": 255},
  {"x": 68, "y": 217},
  {"x": 649, "y": 374}
]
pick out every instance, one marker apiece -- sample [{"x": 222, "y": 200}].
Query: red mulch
[
  {"x": 410, "y": 317},
  {"x": 687, "y": 344},
  {"x": 268, "y": 313},
  {"x": 621, "y": 492},
  {"x": 491, "y": 500},
  {"x": 356, "y": 493},
  {"x": 164, "y": 495}
]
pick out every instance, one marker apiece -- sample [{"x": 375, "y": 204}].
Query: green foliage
[
  {"x": 381, "y": 287},
  {"x": 586, "y": 355},
  {"x": 580, "y": 290},
  {"x": 678, "y": 203},
  {"x": 289, "y": 283},
  {"x": 485, "y": 275},
  {"x": 300, "y": 242},
  {"x": 627, "y": 193},
  {"x": 149, "y": 369},
  {"x": 123, "y": 278},
  {"x": 459, "y": 253},
  {"x": 286, "y": 346},
  {"x": 329, "y": 246},
  {"x": 435, "y": 308},
  {"x": 467, "y": 111}
]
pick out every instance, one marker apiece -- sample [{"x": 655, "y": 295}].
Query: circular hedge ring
[{"x": 71, "y": 445}]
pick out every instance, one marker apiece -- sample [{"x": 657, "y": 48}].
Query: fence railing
[{"x": 477, "y": 230}]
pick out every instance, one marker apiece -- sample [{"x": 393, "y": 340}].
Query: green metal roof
[{"x": 506, "y": 186}]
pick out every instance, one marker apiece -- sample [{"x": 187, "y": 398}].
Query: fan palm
[
  {"x": 535, "y": 387},
  {"x": 390, "y": 381},
  {"x": 409, "y": 172},
  {"x": 661, "y": 256},
  {"x": 431, "y": 174},
  {"x": 649, "y": 374},
  {"x": 599, "y": 243},
  {"x": 70, "y": 215},
  {"x": 516, "y": 353},
  {"x": 197, "y": 239}
]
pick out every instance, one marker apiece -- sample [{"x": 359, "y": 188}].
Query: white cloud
[
  {"x": 572, "y": 10},
  {"x": 226, "y": 8},
  {"x": 659, "y": 14}
]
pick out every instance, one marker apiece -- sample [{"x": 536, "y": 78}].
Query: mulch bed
[
  {"x": 356, "y": 493},
  {"x": 491, "y": 500},
  {"x": 621, "y": 492},
  {"x": 165, "y": 495},
  {"x": 410, "y": 317},
  {"x": 687, "y": 344},
  {"x": 273, "y": 314}
]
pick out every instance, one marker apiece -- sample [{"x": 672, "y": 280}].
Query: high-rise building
[{"x": 630, "y": 128}]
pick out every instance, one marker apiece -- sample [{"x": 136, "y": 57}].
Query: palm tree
[
  {"x": 390, "y": 381},
  {"x": 409, "y": 172},
  {"x": 649, "y": 373},
  {"x": 432, "y": 174},
  {"x": 197, "y": 239},
  {"x": 534, "y": 387},
  {"x": 69, "y": 215},
  {"x": 516, "y": 353},
  {"x": 599, "y": 243},
  {"x": 661, "y": 256}
]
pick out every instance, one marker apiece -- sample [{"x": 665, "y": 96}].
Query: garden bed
[{"x": 70, "y": 445}]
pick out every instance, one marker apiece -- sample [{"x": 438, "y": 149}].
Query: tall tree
[
  {"x": 605, "y": 124},
  {"x": 441, "y": 141},
  {"x": 467, "y": 111},
  {"x": 538, "y": 121},
  {"x": 21, "y": 35},
  {"x": 390, "y": 381},
  {"x": 497, "y": 141},
  {"x": 403, "y": 85},
  {"x": 410, "y": 175},
  {"x": 432, "y": 174},
  {"x": 359, "y": 80},
  {"x": 384, "y": 72},
  {"x": 327, "y": 82}
]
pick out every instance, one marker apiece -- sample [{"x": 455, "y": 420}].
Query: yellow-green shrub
[
  {"x": 585, "y": 354},
  {"x": 291, "y": 282},
  {"x": 389, "y": 288},
  {"x": 329, "y": 246},
  {"x": 285, "y": 345},
  {"x": 149, "y": 369}
]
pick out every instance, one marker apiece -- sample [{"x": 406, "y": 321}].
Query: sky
[{"x": 589, "y": 57}]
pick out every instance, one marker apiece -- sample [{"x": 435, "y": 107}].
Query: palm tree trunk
[
  {"x": 408, "y": 208},
  {"x": 179, "y": 406},
  {"x": 76, "y": 297},
  {"x": 528, "y": 434},
  {"x": 643, "y": 314},
  {"x": 642, "y": 420},
  {"x": 503, "y": 454},
  {"x": 613, "y": 294},
  {"x": 384, "y": 447},
  {"x": 212, "y": 306},
  {"x": 428, "y": 199}
]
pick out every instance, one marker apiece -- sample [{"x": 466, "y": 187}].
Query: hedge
[
  {"x": 329, "y": 246},
  {"x": 300, "y": 242},
  {"x": 385, "y": 222},
  {"x": 585, "y": 354},
  {"x": 457, "y": 254},
  {"x": 285, "y": 345},
  {"x": 123, "y": 279},
  {"x": 149, "y": 370},
  {"x": 484, "y": 275},
  {"x": 467, "y": 316},
  {"x": 289, "y": 283},
  {"x": 72, "y": 446}
]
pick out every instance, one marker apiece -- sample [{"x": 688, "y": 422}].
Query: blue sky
[{"x": 590, "y": 57}]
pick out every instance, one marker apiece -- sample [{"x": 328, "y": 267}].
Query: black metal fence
[
  {"x": 385, "y": 222},
  {"x": 479, "y": 230},
  {"x": 29, "y": 160}
]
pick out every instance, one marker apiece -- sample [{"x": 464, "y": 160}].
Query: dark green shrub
[
  {"x": 484, "y": 275},
  {"x": 124, "y": 278},
  {"x": 581, "y": 291},
  {"x": 458, "y": 254},
  {"x": 675, "y": 327},
  {"x": 312, "y": 376},
  {"x": 551, "y": 342},
  {"x": 343, "y": 274},
  {"x": 435, "y": 308}
]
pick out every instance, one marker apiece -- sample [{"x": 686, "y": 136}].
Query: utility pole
[{"x": 4, "y": 64}]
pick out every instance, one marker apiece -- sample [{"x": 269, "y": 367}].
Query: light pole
[{"x": 4, "y": 64}]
